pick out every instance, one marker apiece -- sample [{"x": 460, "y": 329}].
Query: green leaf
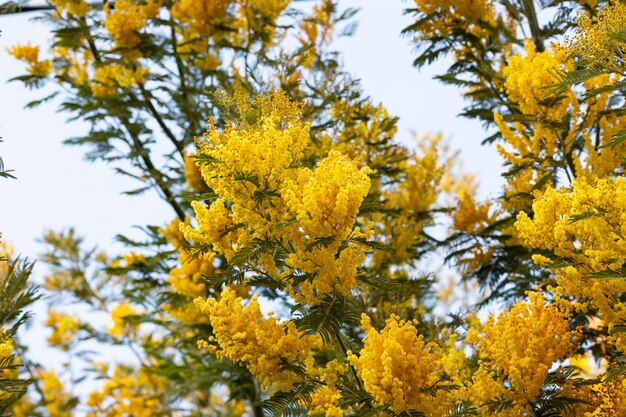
[
  {"x": 607, "y": 274},
  {"x": 372, "y": 244},
  {"x": 610, "y": 376},
  {"x": 586, "y": 215}
]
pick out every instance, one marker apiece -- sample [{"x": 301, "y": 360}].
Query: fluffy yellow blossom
[
  {"x": 454, "y": 15},
  {"x": 199, "y": 15},
  {"x": 54, "y": 395},
  {"x": 398, "y": 368},
  {"x": 262, "y": 151},
  {"x": 192, "y": 173},
  {"x": 264, "y": 346},
  {"x": 129, "y": 392},
  {"x": 173, "y": 234},
  {"x": 118, "y": 314},
  {"x": 30, "y": 55},
  {"x": 415, "y": 193},
  {"x": 64, "y": 329},
  {"x": 188, "y": 314},
  {"x": 270, "y": 9},
  {"x": 186, "y": 279},
  {"x": 212, "y": 222},
  {"x": 526, "y": 79},
  {"x": 517, "y": 350},
  {"x": 78, "y": 8},
  {"x": 592, "y": 41},
  {"x": 125, "y": 22},
  {"x": 75, "y": 65},
  {"x": 327, "y": 199},
  {"x": 108, "y": 78},
  {"x": 255, "y": 168},
  {"x": 599, "y": 159},
  {"x": 608, "y": 399},
  {"x": 325, "y": 401},
  {"x": 586, "y": 225}
]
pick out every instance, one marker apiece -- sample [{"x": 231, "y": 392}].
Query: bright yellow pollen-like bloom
[
  {"x": 327, "y": 199},
  {"x": 108, "y": 78},
  {"x": 592, "y": 40},
  {"x": 118, "y": 315},
  {"x": 30, "y": 55},
  {"x": 64, "y": 328},
  {"x": 325, "y": 401},
  {"x": 397, "y": 367},
  {"x": 125, "y": 22},
  {"x": 526, "y": 79},
  {"x": 520, "y": 346},
  {"x": 54, "y": 395},
  {"x": 585, "y": 224},
  {"x": 256, "y": 169},
  {"x": 78, "y": 8},
  {"x": 263, "y": 345},
  {"x": 199, "y": 15},
  {"x": 128, "y": 392}
]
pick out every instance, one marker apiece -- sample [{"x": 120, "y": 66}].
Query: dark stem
[
  {"x": 344, "y": 349},
  {"x": 533, "y": 23},
  {"x": 154, "y": 173},
  {"x": 147, "y": 96}
]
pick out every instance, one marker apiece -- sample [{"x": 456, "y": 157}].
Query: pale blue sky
[{"x": 56, "y": 189}]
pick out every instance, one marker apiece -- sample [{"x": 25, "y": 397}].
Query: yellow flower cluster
[
  {"x": 30, "y": 55},
  {"x": 592, "y": 40},
  {"x": 585, "y": 224},
  {"x": 7, "y": 348},
  {"x": 532, "y": 150},
  {"x": 517, "y": 350},
  {"x": 199, "y": 15},
  {"x": 75, "y": 65},
  {"x": 325, "y": 401},
  {"x": 264, "y": 346},
  {"x": 193, "y": 175},
  {"x": 608, "y": 399},
  {"x": 256, "y": 170},
  {"x": 118, "y": 315},
  {"x": 64, "y": 328},
  {"x": 317, "y": 30},
  {"x": 269, "y": 9},
  {"x": 126, "y": 21},
  {"x": 186, "y": 278},
  {"x": 108, "y": 78},
  {"x": 412, "y": 197},
  {"x": 599, "y": 160},
  {"x": 398, "y": 368},
  {"x": 128, "y": 392},
  {"x": 54, "y": 395},
  {"x": 78, "y": 8},
  {"x": 526, "y": 78},
  {"x": 327, "y": 199},
  {"x": 452, "y": 15}
]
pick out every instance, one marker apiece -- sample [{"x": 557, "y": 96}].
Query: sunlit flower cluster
[
  {"x": 585, "y": 225},
  {"x": 120, "y": 324},
  {"x": 125, "y": 22},
  {"x": 518, "y": 349},
  {"x": 256, "y": 170},
  {"x": 108, "y": 79},
  {"x": 263, "y": 345},
  {"x": 64, "y": 328},
  {"x": 451, "y": 15},
  {"x": 128, "y": 392},
  {"x": 399, "y": 369},
  {"x": 593, "y": 40},
  {"x": 30, "y": 55}
]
